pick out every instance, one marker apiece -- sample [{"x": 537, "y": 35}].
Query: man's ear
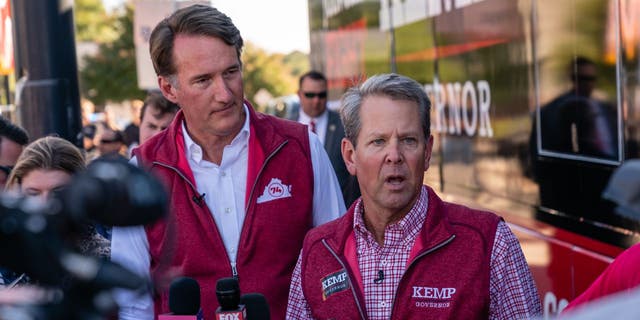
[
  {"x": 348, "y": 155},
  {"x": 167, "y": 88},
  {"x": 427, "y": 152}
]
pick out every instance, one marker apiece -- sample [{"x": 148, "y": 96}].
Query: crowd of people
[{"x": 327, "y": 215}]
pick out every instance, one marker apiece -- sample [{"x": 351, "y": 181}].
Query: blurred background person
[
  {"x": 131, "y": 131},
  {"x": 12, "y": 140},
  {"x": 88, "y": 142},
  {"x": 156, "y": 115},
  {"x": 327, "y": 125},
  {"x": 45, "y": 166},
  {"x": 111, "y": 145}
]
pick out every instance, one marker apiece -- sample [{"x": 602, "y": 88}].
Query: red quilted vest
[
  {"x": 447, "y": 276},
  {"x": 188, "y": 242}
]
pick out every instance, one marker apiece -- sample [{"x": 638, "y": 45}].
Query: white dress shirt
[
  {"x": 224, "y": 187},
  {"x": 322, "y": 121}
]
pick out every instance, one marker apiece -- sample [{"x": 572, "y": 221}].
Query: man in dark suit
[{"x": 327, "y": 125}]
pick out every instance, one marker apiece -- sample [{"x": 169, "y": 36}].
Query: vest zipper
[
  {"x": 193, "y": 188},
  {"x": 234, "y": 271},
  {"x": 422, "y": 254},
  {"x": 353, "y": 290}
]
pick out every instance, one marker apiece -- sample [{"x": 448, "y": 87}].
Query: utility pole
[{"x": 47, "y": 94}]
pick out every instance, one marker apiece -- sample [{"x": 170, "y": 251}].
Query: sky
[{"x": 275, "y": 25}]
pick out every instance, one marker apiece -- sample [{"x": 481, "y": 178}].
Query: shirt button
[
  {"x": 383, "y": 304},
  {"x": 224, "y": 174},
  {"x": 232, "y": 249},
  {"x": 227, "y": 210},
  {"x": 383, "y": 262}
]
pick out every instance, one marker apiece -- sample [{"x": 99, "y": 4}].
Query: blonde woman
[{"x": 45, "y": 166}]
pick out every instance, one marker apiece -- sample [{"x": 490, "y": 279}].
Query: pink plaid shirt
[{"x": 512, "y": 290}]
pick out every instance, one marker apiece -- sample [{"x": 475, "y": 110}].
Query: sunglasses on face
[
  {"x": 312, "y": 95},
  {"x": 585, "y": 78},
  {"x": 109, "y": 141}
]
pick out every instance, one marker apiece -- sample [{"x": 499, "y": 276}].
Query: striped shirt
[{"x": 513, "y": 294}]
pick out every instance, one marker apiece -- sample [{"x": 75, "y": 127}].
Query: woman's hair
[{"x": 48, "y": 153}]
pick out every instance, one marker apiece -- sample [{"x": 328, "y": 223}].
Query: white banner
[{"x": 146, "y": 16}]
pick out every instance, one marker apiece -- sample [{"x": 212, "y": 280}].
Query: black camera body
[{"x": 35, "y": 238}]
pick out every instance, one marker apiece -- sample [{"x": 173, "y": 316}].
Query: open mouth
[{"x": 394, "y": 180}]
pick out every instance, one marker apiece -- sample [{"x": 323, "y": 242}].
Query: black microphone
[
  {"x": 256, "y": 305},
  {"x": 379, "y": 278},
  {"x": 184, "y": 300},
  {"x": 198, "y": 198},
  {"x": 228, "y": 294}
]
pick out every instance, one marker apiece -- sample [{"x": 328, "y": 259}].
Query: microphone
[
  {"x": 198, "y": 198},
  {"x": 379, "y": 278},
  {"x": 256, "y": 305},
  {"x": 228, "y": 294},
  {"x": 184, "y": 300}
]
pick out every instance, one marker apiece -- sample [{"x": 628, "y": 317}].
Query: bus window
[
  {"x": 577, "y": 136},
  {"x": 577, "y": 122},
  {"x": 578, "y": 109}
]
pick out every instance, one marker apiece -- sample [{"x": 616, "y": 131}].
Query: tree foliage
[
  {"x": 111, "y": 75},
  {"x": 298, "y": 63},
  {"x": 276, "y": 73},
  {"x": 93, "y": 24}
]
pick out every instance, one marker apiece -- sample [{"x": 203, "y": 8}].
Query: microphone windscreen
[
  {"x": 228, "y": 293},
  {"x": 184, "y": 296},
  {"x": 257, "y": 306},
  {"x": 116, "y": 193}
]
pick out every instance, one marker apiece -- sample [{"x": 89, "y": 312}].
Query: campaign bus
[{"x": 534, "y": 106}]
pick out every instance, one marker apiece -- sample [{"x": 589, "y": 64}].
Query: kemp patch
[
  {"x": 334, "y": 283},
  {"x": 432, "y": 297}
]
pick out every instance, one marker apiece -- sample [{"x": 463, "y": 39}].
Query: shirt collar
[
  {"x": 195, "y": 153},
  {"x": 306, "y": 119},
  {"x": 409, "y": 225}
]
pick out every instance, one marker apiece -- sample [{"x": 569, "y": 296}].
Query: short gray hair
[{"x": 394, "y": 86}]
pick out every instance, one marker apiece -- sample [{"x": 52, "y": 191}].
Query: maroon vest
[
  {"x": 188, "y": 242},
  {"x": 447, "y": 276}
]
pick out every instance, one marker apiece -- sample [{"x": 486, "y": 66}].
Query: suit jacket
[{"x": 332, "y": 144}]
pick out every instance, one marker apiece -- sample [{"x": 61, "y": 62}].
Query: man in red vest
[
  {"x": 245, "y": 187},
  {"x": 401, "y": 252}
]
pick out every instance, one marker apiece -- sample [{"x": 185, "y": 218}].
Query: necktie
[{"x": 312, "y": 125}]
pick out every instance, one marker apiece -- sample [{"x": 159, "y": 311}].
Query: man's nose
[
  {"x": 394, "y": 153},
  {"x": 222, "y": 93}
]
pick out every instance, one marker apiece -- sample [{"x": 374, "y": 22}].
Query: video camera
[{"x": 35, "y": 239}]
